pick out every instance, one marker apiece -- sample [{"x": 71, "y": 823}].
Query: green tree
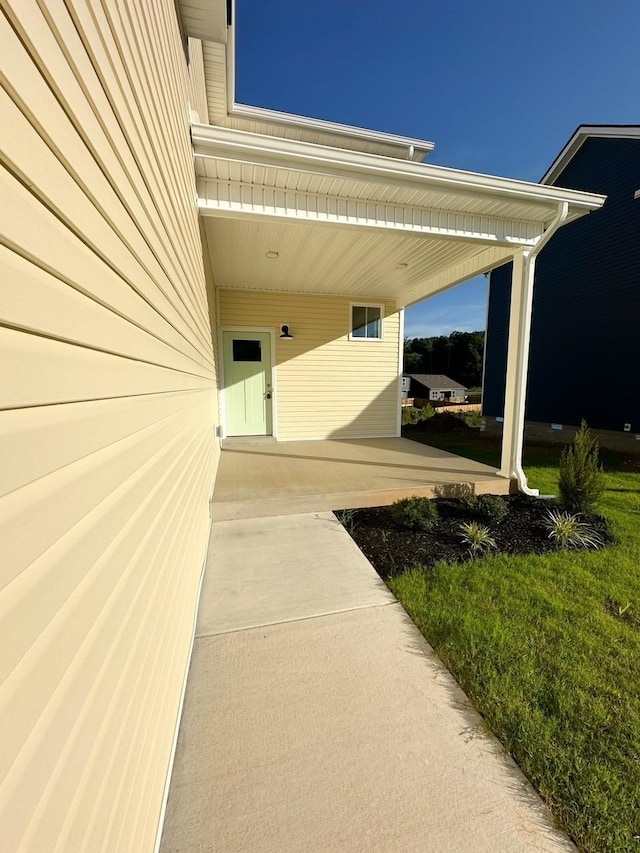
[
  {"x": 581, "y": 478},
  {"x": 458, "y": 355},
  {"x": 412, "y": 362}
]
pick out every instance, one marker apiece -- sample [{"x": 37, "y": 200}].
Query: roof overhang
[
  {"x": 213, "y": 22},
  {"x": 332, "y": 134},
  {"x": 582, "y": 133},
  {"x": 297, "y": 204},
  {"x": 375, "y": 226},
  {"x": 204, "y": 19}
]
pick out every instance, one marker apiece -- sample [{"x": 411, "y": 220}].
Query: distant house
[
  {"x": 586, "y": 300},
  {"x": 432, "y": 387}
]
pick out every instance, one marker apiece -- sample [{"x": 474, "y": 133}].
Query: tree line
[{"x": 458, "y": 356}]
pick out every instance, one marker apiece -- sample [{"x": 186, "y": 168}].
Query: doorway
[{"x": 248, "y": 389}]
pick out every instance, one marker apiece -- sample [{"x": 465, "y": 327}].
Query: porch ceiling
[
  {"x": 335, "y": 260},
  {"x": 355, "y": 223}
]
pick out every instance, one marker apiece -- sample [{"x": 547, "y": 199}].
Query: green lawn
[
  {"x": 548, "y": 649},
  {"x": 473, "y": 444}
]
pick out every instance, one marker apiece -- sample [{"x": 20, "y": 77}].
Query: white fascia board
[
  {"x": 586, "y": 131},
  {"x": 241, "y": 146},
  {"x": 404, "y": 143}
]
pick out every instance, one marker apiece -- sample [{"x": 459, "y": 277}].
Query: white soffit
[
  {"x": 354, "y": 204},
  {"x": 335, "y": 261},
  {"x": 587, "y": 131},
  {"x": 204, "y": 19}
]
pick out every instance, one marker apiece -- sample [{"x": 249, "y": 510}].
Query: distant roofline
[
  {"x": 435, "y": 385},
  {"x": 581, "y": 133}
]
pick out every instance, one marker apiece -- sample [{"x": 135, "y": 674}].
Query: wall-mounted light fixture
[
  {"x": 286, "y": 335},
  {"x": 271, "y": 254}
]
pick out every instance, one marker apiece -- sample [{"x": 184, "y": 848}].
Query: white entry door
[{"x": 247, "y": 383}]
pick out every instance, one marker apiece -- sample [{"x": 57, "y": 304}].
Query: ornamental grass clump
[
  {"x": 415, "y": 513},
  {"x": 568, "y": 531},
  {"x": 347, "y": 519},
  {"x": 477, "y": 538},
  {"x": 581, "y": 478}
]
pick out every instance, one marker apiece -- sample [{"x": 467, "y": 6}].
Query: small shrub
[
  {"x": 412, "y": 415},
  {"x": 489, "y": 507},
  {"x": 477, "y": 538},
  {"x": 566, "y": 529},
  {"x": 415, "y": 513},
  {"x": 472, "y": 419},
  {"x": 409, "y": 415},
  {"x": 468, "y": 501},
  {"x": 581, "y": 479},
  {"x": 492, "y": 508}
]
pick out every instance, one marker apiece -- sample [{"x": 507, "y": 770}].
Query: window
[
  {"x": 246, "y": 350},
  {"x": 366, "y": 323}
]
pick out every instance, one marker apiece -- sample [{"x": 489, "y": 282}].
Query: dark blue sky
[{"x": 498, "y": 86}]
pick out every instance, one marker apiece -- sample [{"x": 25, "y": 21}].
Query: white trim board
[
  {"x": 183, "y": 694},
  {"x": 580, "y": 135},
  {"x": 400, "y": 368},
  {"x": 356, "y": 339}
]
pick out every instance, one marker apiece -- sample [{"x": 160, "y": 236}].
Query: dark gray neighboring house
[
  {"x": 432, "y": 386},
  {"x": 585, "y": 328}
]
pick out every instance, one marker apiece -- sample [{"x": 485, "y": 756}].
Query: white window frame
[{"x": 378, "y": 305}]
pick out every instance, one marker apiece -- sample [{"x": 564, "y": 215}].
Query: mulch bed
[{"x": 392, "y": 549}]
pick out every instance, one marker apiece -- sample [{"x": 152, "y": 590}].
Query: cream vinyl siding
[
  {"x": 108, "y": 405},
  {"x": 326, "y": 385}
]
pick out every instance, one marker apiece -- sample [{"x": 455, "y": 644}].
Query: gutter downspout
[{"x": 528, "y": 277}]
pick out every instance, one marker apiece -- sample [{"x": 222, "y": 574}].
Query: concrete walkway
[{"x": 317, "y": 719}]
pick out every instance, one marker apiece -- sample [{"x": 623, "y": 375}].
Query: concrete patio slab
[
  {"x": 272, "y": 570},
  {"x": 333, "y": 729},
  {"x": 267, "y": 478}
]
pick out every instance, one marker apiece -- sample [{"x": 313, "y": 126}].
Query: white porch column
[
  {"x": 517, "y": 366},
  {"x": 400, "y": 367}
]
